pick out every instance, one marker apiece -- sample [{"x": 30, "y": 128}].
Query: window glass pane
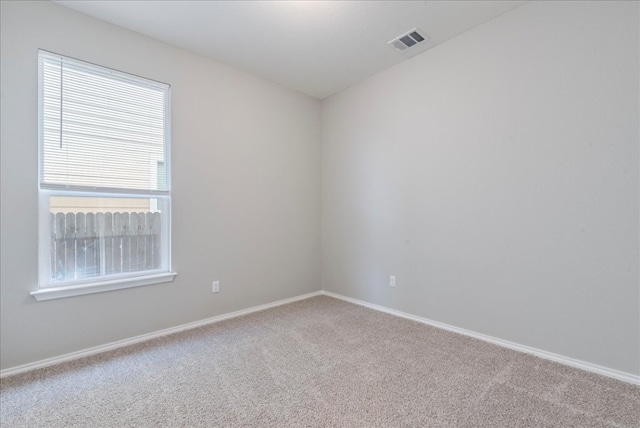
[
  {"x": 98, "y": 236},
  {"x": 161, "y": 175}
]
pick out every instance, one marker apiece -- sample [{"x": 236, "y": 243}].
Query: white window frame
[{"x": 49, "y": 289}]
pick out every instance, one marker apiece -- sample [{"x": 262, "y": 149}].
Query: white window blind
[{"x": 102, "y": 130}]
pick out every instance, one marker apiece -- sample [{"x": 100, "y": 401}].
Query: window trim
[
  {"x": 47, "y": 289},
  {"x": 50, "y": 293}
]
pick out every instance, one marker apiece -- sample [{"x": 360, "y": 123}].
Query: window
[{"x": 104, "y": 179}]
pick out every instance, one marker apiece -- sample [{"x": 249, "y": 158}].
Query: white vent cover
[{"x": 408, "y": 39}]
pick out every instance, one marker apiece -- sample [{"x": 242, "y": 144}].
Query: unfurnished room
[{"x": 319, "y": 213}]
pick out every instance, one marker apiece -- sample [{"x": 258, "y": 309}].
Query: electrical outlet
[
  {"x": 215, "y": 286},
  {"x": 392, "y": 281}
]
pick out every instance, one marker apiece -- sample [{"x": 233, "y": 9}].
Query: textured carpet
[{"x": 315, "y": 363}]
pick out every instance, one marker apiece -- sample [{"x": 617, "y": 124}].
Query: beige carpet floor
[{"x": 315, "y": 363}]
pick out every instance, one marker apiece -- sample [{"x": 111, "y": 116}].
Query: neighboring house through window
[{"x": 104, "y": 179}]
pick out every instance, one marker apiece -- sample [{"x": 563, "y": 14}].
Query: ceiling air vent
[{"x": 408, "y": 39}]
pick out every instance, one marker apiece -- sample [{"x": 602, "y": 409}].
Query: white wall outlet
[
  {"x": 392, "y": 281},
  {"x": 215, "y": 286}
]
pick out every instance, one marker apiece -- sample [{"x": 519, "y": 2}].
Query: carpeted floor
[{"x": 315, "y": 363}]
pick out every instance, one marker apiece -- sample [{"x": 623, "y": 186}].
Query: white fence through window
[{"x": 97, "y": 244}]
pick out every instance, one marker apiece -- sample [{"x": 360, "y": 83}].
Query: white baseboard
[
  {"x": 594, "y": 368},
  {"x": 583, "y": 365},
  {"x": 144, "y": 337}
]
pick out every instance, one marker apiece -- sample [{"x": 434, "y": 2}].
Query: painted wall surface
[
  {"x": 246, "y": 188},
  {"x": 496, "y": 176}
]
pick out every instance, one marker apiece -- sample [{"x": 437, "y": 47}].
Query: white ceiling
[{"x": 316, "y": 47}]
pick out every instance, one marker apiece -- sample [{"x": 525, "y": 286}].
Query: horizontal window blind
[{"x": 101, "y": 130}]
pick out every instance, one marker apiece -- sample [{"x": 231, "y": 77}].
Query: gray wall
[
  {"x": 496, "y": 176},
  {"x": 246, "y": 181}
]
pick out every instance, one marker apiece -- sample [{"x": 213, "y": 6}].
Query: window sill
[{"x": 101, "y": 286}]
